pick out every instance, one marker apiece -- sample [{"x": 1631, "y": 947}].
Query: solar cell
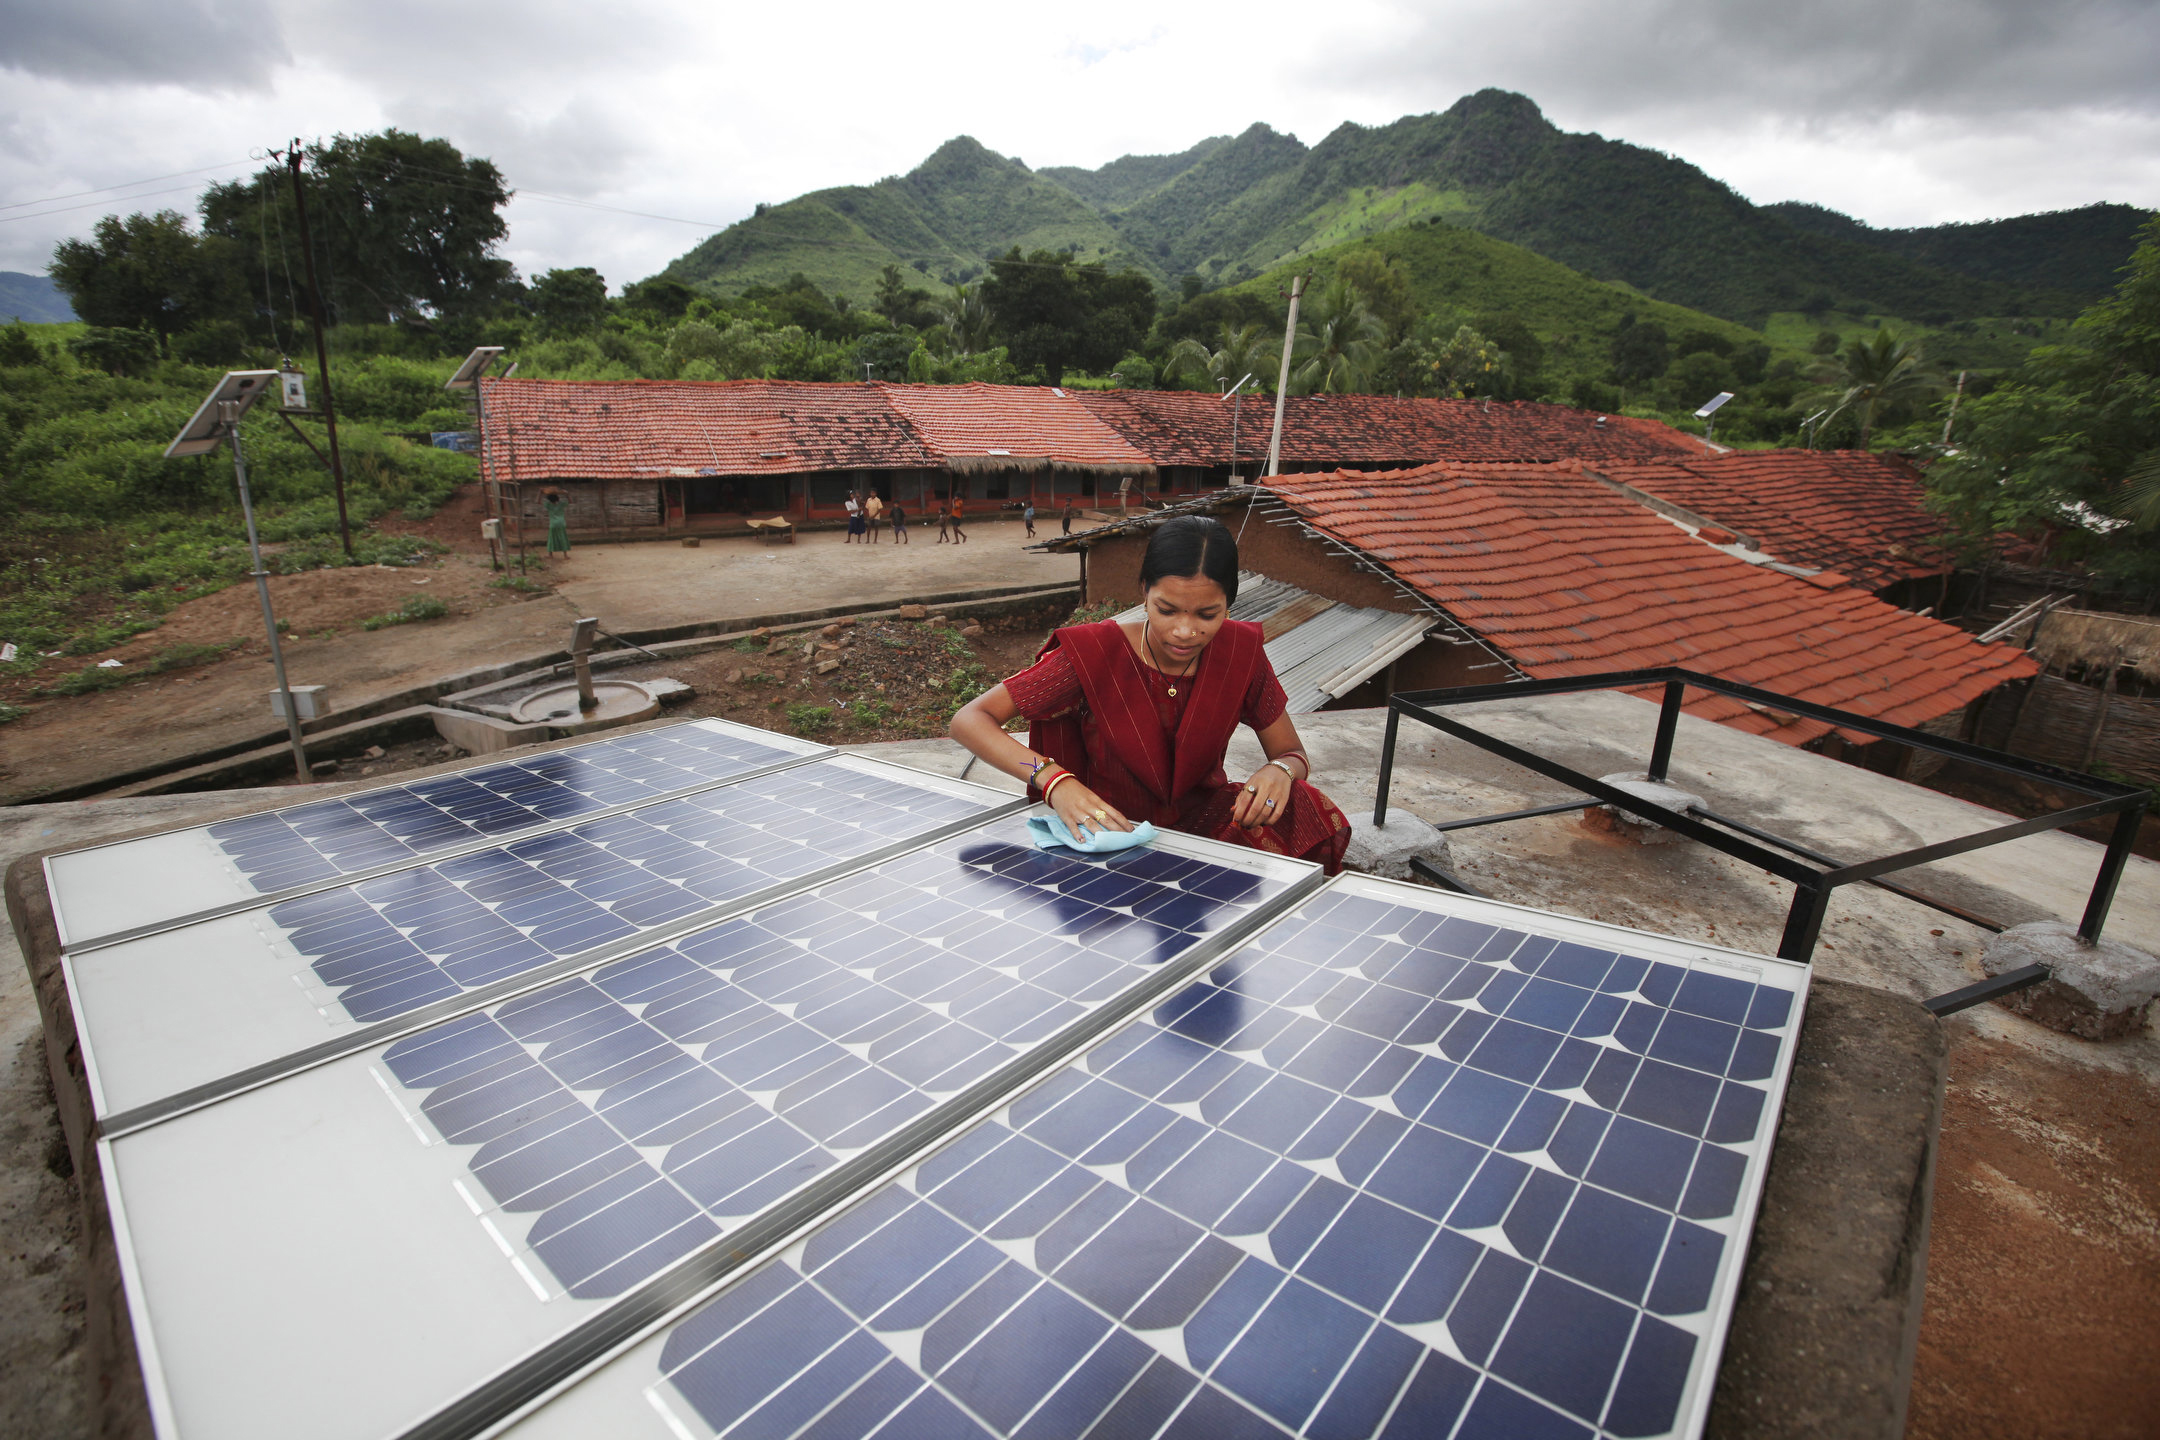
[
  {"x": 1405, "y": 1165},
  {"x": 542, "y": 1156},
  {"x": 111, "y": 889},
  {"x": 318, "y": 965}
]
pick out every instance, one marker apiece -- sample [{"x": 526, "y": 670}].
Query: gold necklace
[{"x": 1147, "y": 637}]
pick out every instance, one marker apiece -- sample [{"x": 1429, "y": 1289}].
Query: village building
[
  {"x": 1537, "y": 571},
  {"x": 656, "y": 457}
]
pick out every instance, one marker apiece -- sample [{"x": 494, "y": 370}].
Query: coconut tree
[
  {"x": 1240, "y": 350},
  {"x": 1876, "y": 375},
  {"x": 967, "y": 320},
  {"x": 1339, "y": 341}
]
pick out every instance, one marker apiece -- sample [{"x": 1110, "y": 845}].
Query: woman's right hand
[{"x": 1084, "y": 812}]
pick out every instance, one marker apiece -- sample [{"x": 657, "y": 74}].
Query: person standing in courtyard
[
  {"x": 899, "y": 524},
  {"x": 944, "y": 521},
  {"x": 558, "y": 518},
  {"x": 1068, "y": 517},
  {"x": 854, "y": 518},
  {"x": 959, "y": 519},
  {"x": 874, "y": 513},
  {"x": 1130, "y": 721}
]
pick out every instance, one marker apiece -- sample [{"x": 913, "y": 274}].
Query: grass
[
  {"x": 871, "y": 714},
  {"x": 419, "y": 607},
  {"x": 747, "y": 646},
  {"x": 10, "y": 713},
  {"x": 520, "y": 583},
  {"x": 92, "y": 679},
  {"x": 809, "y": 719}
]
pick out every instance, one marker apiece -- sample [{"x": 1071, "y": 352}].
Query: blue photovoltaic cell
[
  {"x": 328, "y": 838},
  {"x": 622, "y": 1119},
  {"x": 1305, "y": 1195},
  {"x": 389, "y": 945}
]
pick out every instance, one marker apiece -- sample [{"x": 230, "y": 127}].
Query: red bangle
[{"x": 1055, "y": 781}]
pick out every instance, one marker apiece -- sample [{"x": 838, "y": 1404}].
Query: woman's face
[{"x": 1183, "y": 614}]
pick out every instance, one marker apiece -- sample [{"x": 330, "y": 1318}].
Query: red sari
[{"x": 1096, "y": 710}]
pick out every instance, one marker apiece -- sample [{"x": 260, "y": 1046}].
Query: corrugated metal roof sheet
[{"x": 1331, "y": 652}]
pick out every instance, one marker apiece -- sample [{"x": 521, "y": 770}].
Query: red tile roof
[
  {"x": 1184, "y": 428},
  {"x": 1568, "y": 577},
  {"x": 961, "y": 422},
  {"x": 620, "y": 429},
  {"x": 1860, "y": 514}
]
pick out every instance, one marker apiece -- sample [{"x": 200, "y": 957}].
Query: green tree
[
  {"x": 114, "y": 350},
  {"x": 405, "y": 228},
  {"x": 902, "y": 303},
  {"x": 1239, "y": 350},
  {"x": 1058, "y": 314},
  {"x": 19, "y": 347},
  {"x": 149, "y": 272},
  {"x": 1384, "y": 285},
  {"x": 2068, "y": 448},
  {"x": 1339, "y": 342},
  {"x": 1640, "y": 351},
  {"x": 569, "y": 302},
  {"x": 966, "y": 320},
  {"x": 658, "y": 301},
  {"x": 1876, "y": 376},
  {"x": 1468, "y": 364}
]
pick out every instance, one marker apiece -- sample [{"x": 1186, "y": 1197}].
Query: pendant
[{"x": 1173, "y": 692}]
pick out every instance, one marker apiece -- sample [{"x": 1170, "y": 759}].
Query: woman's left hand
[{"x": 1263, "y": 800}]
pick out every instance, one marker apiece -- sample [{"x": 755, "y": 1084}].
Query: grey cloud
[
  {"x": 1829, "y": 62},
  {"x": 579, "y": 150},
  {"x": 219, "y": 46}
]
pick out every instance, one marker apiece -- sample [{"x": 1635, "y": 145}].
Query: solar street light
[
  {"x": 468, "y": 377},
  {"x": 476, "y": 364},
  {"x": 1709, "y": 410},
  {"x": 216, "y": 421}
]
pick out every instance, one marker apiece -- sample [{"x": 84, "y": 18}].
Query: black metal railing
[{"x": 1812, "y": 874}]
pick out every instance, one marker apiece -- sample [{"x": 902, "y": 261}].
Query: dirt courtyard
[{"x": 179, "y": 700}]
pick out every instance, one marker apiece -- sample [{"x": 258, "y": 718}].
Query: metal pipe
[
  {"x": 1387, "y": 767},
  {"x": 581, "y": 638},
  {"x": 1446, "y": 879},
  {"x": 1954, "y": 911},
  {"x": 1668, "y": 724},
  {"x": 2111, "y": 871},
  {"x": 1991, "y": 988},
  {"x": 1532, "y": 813},
  {"x": 262, "y": 593}
]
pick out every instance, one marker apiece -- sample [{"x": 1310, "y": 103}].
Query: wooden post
[{"x": 2100, "y": 711}]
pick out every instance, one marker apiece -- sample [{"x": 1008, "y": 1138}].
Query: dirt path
[
  {"x": 69, "y": 740},
  {"x": 2043, "y": 1288}
]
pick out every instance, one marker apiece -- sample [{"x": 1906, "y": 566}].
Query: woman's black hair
[{"x": 1189, "y": 547}]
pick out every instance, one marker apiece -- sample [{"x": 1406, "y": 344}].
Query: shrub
[
  {"x": 419, "y": 607},
  {"x": 11, "y": 713},
  {"x": 809, "y": 719},
  {"x": 871, "y": 714}
]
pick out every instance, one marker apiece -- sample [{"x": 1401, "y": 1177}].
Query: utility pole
[
  {"x": 1951, "y": 418},
  {"x": 322, "y": 347},
  {"x": 1282, "y": 383}
]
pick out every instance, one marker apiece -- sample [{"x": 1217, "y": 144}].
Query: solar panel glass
[
  {"x": 543, "y": 1155},
  {"x": 114, "y": 888},
  {"x": 1403, "y": 1166}
]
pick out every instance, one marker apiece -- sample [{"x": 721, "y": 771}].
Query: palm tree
[
  {"x": 1340, "y": 344},
  {"x": 967, "y": 320},
  {"x": 1877, "y": 374},
  {"x": 1243, "y": 350}
]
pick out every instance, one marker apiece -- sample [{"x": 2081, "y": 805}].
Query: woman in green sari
[{"x": 558, "y": 518}]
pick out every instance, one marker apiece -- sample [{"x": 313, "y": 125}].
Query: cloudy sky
[{"x": 1902, "y": 113}]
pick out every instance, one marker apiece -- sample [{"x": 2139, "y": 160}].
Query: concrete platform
[{"x": 1823, "y": 1332}]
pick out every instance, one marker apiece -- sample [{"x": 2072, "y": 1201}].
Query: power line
[
  {"x": 94, "y": 204},
  {"x": 128, "y": 185}
]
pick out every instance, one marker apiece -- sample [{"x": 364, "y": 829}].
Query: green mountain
[
  {"x": 1232, "y": 207},
  {"x": 938, "y": 223},
  {"x": 2081, "y": 251},
  {"x": 32, "y": 298}
]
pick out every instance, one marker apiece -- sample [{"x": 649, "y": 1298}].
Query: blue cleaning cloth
[{"x": 1050, "y": 830}]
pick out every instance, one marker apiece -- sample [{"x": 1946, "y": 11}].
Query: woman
[
  {"x": 558, "y": 518},
  {"x": 1129, "y": 722},
  {"x": 854, "y": 518}
]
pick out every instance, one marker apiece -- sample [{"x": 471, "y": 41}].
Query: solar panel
[
  {"x": 156, "y": 1012},
  {"x": 483, "y": 1186},
  {"x": 1406, "y": 1165},
  {"x": 112, "y": 889}
]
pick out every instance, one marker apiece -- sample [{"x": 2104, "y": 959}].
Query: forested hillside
[{"x": 1231, "y": 207}]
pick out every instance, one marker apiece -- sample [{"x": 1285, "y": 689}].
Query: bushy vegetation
[{"x": 419, "y": 607}]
